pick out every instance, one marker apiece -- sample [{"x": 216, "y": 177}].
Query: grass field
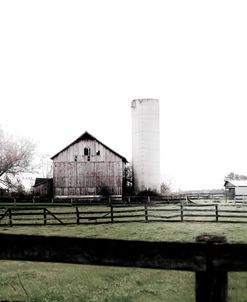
[{"x": 28, "y": 281}]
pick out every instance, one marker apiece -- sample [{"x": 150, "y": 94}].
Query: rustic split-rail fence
[{"x": 119, "y": 213}]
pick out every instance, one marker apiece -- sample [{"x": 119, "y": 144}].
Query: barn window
[
  {"x": 98, "y": 152},
  {"x": 75, "y": 157},
  {"x": 86, "y": 151}
]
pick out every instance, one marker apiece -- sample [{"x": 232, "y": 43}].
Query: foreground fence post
[
  {"x": 146, "y": 212},
  {"x": 182, "y": 212},
  {"x": 216, "y": 213},
  {"x": 77, "y": 215},
  {"x": 10, "y": 218},
  {"x": 45, "y": 217},
  {"x": 211, "y": 285},
  {"x": 112, "y": 214}
]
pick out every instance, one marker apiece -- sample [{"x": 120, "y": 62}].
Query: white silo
[{"x": 146, "y": 144}]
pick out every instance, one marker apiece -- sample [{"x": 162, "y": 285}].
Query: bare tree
[
  {"x": 165, "y": 187},
  {"x": 16, "y": 155}
]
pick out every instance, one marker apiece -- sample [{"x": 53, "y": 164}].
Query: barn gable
[{"x": 86, "y": 136}]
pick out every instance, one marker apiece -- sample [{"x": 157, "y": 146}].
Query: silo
[{"x": 146, "y": 144}]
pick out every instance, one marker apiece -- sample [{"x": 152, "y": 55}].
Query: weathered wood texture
[{"x": 76, "y": 174}]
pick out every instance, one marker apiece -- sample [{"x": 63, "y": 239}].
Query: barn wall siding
[{"x": 75, "y": 175}]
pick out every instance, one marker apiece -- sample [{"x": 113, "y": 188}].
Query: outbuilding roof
[
  {"x": 235, "y": 183},
  {"x": 41, "y": 181},
  {"x": 87, "y": 136}
]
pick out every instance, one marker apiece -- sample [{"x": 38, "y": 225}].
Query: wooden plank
[
  {"x": 146, "y": 213},
  {"x": 55, "y": 217},
  {"x": 103, "y": 252},
  {"x": 77, "y": 216},
  {"x": 112, "y": 213},
  {"x": 45, "y": 217},
  {"x": 4, "y": 214},
  {"x": 10, "y": 217},
  {"x": 150, "y": 254},
  {"x": 211, "y": 286}
]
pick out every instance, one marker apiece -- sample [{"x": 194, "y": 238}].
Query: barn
[
  {"x": 236, "y": 189},
  {"x": 87, "y": 167},
  {"x": 42, "y": 187},
  {"x": 4, "y": 191}
]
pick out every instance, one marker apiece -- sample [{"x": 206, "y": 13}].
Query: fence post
[
  {"x": 149, "y": 200},
  {"x": 211, "y": 285},
  {"x": 45, "y": 217},
  {"x": 112, "y": 214},
  {"x": 182, "y": 212},
  {"x": 216, "y": 213},
  {"x": 146, "y": 212},
  {"x": 10, "y": 218},
  {"x": 77, "y": 216}
]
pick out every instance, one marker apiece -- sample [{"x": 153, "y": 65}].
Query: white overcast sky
[{"x": 71, "y": 66}]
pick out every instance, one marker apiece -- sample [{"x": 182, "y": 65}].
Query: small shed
[
  {"x": 43, "y": 187},
  {"x": 236, "y": 189},
  {"x": 87, "y": 167},
  {"x": 4, "y": 190}
]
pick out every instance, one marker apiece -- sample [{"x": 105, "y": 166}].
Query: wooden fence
[
  {"x": 122, "y": 214},
  {"x": 209, "y": 257},
  {"x": 103, "y": 200}
]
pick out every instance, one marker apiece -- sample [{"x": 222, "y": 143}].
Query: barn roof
[
  {"x": 41, "y": 181},
  {"x": 87, "y": 136}
]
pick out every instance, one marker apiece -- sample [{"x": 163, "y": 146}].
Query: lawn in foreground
[
  {"x": 28, "y": 281},
  {"x": 25, "y": 281}
]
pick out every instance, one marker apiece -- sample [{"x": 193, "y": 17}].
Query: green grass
[
  {"x": 165, "y": 231},
  {"x": 62, "y": 282},
  {"x": 28, "y": 281}
]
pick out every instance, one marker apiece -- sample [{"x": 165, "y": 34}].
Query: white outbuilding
[{"x": 236, "y": 189}]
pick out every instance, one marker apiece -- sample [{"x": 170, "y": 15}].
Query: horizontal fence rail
[
  {"x": 210, "y": 257},
  {"x": 147, "y": 213},
  {"x": 105, "y": 200}
]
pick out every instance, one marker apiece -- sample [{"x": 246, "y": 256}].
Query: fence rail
[
  {"x": 103, "y": 200},
  {"x": 122, "y": 214},
  {"x": 210, "y": 257}
]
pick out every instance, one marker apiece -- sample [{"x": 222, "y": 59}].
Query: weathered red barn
[{"x": 87, "y": 167}]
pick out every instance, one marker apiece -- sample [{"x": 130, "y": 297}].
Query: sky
[{"x": 72, "y": 66}]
